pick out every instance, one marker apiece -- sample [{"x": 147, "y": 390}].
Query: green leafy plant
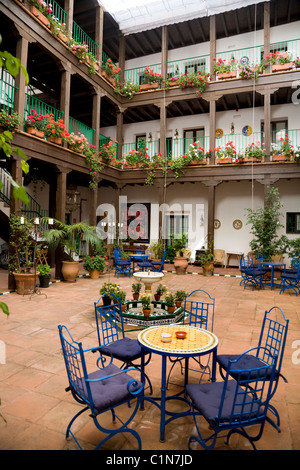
[
  {"x": 43, "y": 269},
  {"x": 265, "y": 222},
  {"x": 151, "y": 77},
  {"x": 146, "y": 301},
  {"x": 170, "y": 299},
  {"x": 10, "y": 121},
  {"x": 97, "y": 262},
  {"x": 110, "y": 288},
  {"x": 37, "y": 121},
  {"x": 127, "y": 89},
  {"x": 161, "y": 289},
  {"x": 224, "y": 66},
  {"x": 180, "y": 295},
  {"x": 198, "y": 80},
  {"x": 136, "y": 287},
  {"x": 21, "y": 242},
  {"x": 250, "y": 72},
  {"x": 226, "y": 151},
  {"x": 179, "y": 242},
  {"x": 254, "y": 150},
  {"x": 108, "y": 152}
]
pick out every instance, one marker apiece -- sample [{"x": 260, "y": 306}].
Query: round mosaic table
[{"x": 198, "y": 342}]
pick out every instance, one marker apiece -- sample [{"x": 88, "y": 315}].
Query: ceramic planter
[
  {"x": 25, "y": 282},
  {"x": 146, "y": 312},
  {"x": 223, "y": 160},
  {"x": 94, "y": 274},
  {"x": 36, "y": 132},
  {"x": 282, "y": 67},
  {"x": 208, "y": 269},
  {"x": 42, "y": 18},
  {"x": 180, "y": 264},
  {"x": 171, "y": 309},
  {"x": 148, "y": 86},
  {"x": 44, "y": 281},
  {"x": 70, "y": 270},
  {"x": 226, "y": 75},
  {"x": 280, "y": 158}
]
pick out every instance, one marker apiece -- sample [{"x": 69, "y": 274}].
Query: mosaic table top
[{"x": 197, "y": 340}]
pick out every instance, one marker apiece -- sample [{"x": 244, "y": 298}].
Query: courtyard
[{"x": 33, "y": 378}]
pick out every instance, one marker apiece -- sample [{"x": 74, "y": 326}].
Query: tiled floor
[{"x": 32, "y": 380}]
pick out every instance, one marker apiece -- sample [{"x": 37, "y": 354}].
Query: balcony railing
[
  {"x": 79, "y": 128},
  {"x": 32, "y": 102},
  {"x": 7, "y": 94}
]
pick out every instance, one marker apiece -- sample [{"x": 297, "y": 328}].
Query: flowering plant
[
  {"x": 170, "y": 299},
  {"x": 254, "y": 150},
  {"x": 108, "y": 152},
  {"x": 77, "y": 142},
  {"x": 136, "y": 287},
  {"x": 10, "y": 121},
  {"x": 110, "y": 68},
  {"x": 226, "y": 151},
  {"x": 151, "y": 77},
  {"x": 161, "y": 289},
  {"x": 127, "y": 89},
  {"x": 81, "y": 51},
  {"x": 196, "y": 152},
  {"x": 198, "y": 80},
  {"x": 132, "y": 157},
  {"x": 36, "y": 120},
  {"x": 286, "y": 147},
  {"x": 97, "y": 262},
  {"x": 110, "y": 288},
  {"x": 250, "y": 71},
  {"x": 58, "y": 28},
  {"x": 221, "y": 66},
  {"x": 279, "y": 57},
  {"x": 94, "y": 165},
  {"x": 297, "y": 62},
  {"x": 55, "y": 128},
  {"x": 297, "y": 154},
  {"x": 146, "y": 301},
  {"x": 42, "y": 6}
]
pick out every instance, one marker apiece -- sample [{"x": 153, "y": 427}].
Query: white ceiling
[{"x": 134, "y": 16}]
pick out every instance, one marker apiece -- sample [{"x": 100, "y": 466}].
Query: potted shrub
[
  {"x": 21, "y": 261},
  {"x": 44, "y": 275},
  {"x": 160, "y": 290},
  {"x": 136, "y": 289},
  {"x": 110, "y": 288},
  {"x": 11, "y": 122},
  {"x": 67, "y": 237},
  {"x": 225, "y": 153},
  {"x": 36, "y": 124},
  {"x": 150, "y": 80},
  {"x": 170, "y": 302},
  {"x": 55, "y": 130},
  {"x": 281, "y": 61},
  {"x": 179, "y": 245},
  {"x": 95, "y": 265},
  {"x": 179, "y": 297},
  {"x": 254, "y": 153},
  {"x": 225, "y": 69},
  {"x": 197, "y": 80},
  {"x": 146, "y": 304},
  {"x": 110, "y": 72},
  {"x": 207, "y": 260},
  {"x": 283, "y": 152},
  {"x": 157, "y": 249},
  {"x": 122, "y": 296}
]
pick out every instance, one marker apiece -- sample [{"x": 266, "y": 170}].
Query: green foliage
[
  {"x": 294, "y": 247},
  {"x": 265, "y": 222},
  {"x": 180, "y": 295},
  {"x": 97, "y": 262},
  {"x": 127, "y": 89},
  {"x": 179, "y": 242},
  {"x": 43, "y": 269},
  {"x": 21, "y": 243},
  {"x": 161, "y": 289},
  {"x": 10, "y": 121},
  {"x": 136, "y": 287},
  {"x": 146, "y": 301}
]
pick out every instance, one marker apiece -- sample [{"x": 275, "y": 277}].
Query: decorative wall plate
[
  {"x": 247, "y": 130},
  {"x": 219, "y": 133},
  {"x": 217, "y": 224},
  {"x": 237, "y": 224}
]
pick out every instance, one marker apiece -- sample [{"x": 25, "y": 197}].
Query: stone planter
[
  {"x": 180, "y": 264},
  {"x": 223, "y": 160},
  {"x": 282, "y": 67},
  {"x": 148, "y": 86},
  {"x": 36, "y": 132},
  {"x": 226, "y": 75},
  {"x": 39, "y": 15},
  {"x": 25, "y": 282},
  {"x": 70, "y": 270}
]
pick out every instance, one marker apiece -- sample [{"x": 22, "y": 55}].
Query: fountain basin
[{"x": 148, "y": 278}]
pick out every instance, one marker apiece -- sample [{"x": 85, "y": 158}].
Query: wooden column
[
  {"x": 99, "y": 33},
  {"x": 266, "y": 30},
  {"x": 60, "y": 212},
  {"x": 164, "y": 51},
  {"x": 122, "y": 47},
  {"x": 20, "y": 82},
  {"x": 69, "y": 8},
  {"x": 163, "y": 123},
  {"x": 211, "y": 185},
  {"x": 96, "y": 117},
  {"x": 120, "y": 138},
  {"x": 94, "y": 204},
  {"x": 267, "y": 92},
  {"x": 212, "y": 45},
  {"x": 65, "y": 93}
]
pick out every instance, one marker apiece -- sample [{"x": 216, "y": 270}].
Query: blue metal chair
[
  {"x": 122, "y": 266},
  {"x": 233, "y": 405},
  {"x": 273, "y": 337},
  {"x": 250, "y": 274},
  {"x": 111, "y": 336},
  {"x": 104, "y": 389},
  {"x": 156, "y": 266},
  {"x": 290, "y": 279},
  {"x": 199, "y": 313}
]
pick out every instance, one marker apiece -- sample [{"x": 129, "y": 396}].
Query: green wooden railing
[
  {"x": 189, "y": 65},
  {"x": 79, "y": 128},
  {"x": 135, "y": 75},
  {"x": 7, "y": 94},
  {"x": 32, "y": 102},
  {"x": 83, "y": 38},
  {"x": 57, "y": 11}
]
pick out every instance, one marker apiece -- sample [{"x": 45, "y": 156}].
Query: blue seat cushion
[
  {"x": 206, "y": 398},
  {"x": 112, "y": 390},
  {"x": 125, "y": 349},
  {"x": 289, "y": 276},
  {"x": 248, "y": 361},
  {"x": 123, "y": 262}
]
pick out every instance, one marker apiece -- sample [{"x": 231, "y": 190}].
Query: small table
[
  {"x": 231, "y": 253},
  {"x": 138, "y": 258},
  {"x": 272, "y": 265},
  {"x": 198, "y": 342}
]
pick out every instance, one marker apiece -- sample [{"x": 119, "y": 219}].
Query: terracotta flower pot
[
  {"x": 226, "y": 75},
  {"x": 148, "y": 86},
  {"x": 251, "y": 160},
  {"x": 157, "y": 297},
  {"x": 39, "y": 15},
  {"x": 108, "y": 78},
  {"x": 70, "y": 270},
  {"x": 94, "y": 274},
  {"x": 135, "y": 296},
  {"x": 171, "y": 309},
  {"x": 54, "y": 140},
  {"x": 146, "y": 312},
  {"x": 180, "y": 264},
  {"x": 178, "y": 303},
  {"x": 36, "y": 132},
  {"x": 280, "y": 158},
  {"x": 124, "y": 307},
  {"x": 25, "y": 282},
  {"x": 223, "y": 160},
  {"x": 282, "y": 67}
]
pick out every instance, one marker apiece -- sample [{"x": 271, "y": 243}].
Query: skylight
[{"x": 134, "y": 16}]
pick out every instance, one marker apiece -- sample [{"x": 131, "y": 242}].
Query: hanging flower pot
[
  {"x": 282, "y": 67},
  {"x": 36, "y": 132},
  {"x": 39, "y": 15}
]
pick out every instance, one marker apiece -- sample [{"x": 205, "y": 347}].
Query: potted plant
[
  {"x": 95, "y": 265},
  {"x": 55, "y": 130},
  {"x": 160, "y": 290},
  {"x": 136, "y": 288},
  {"x": 179, "y": 244},
  {"x": 108, "y": 152},
  {"x": 36, "y": 124},
  {"x": 179, "y": 297},
  {"x": 67, "y": 237},
  {"x": 150, "y": 79},
  {"x": 42, "y": 11},
  {"x": 284, "y": 152},
  {"x": 225, "y": 153},
  {"x": 21, "y": 261},
  {"x": 198, "y": 80},
  {"x": 110, "y": 72},
  {"x": 280, "y": 60},
  {"x": 254, "y": 153},
  {"x": 157, "y": 249},
  {"x": 170, "y": 302},
  {"x": 11, "y": 122},
  {"x": 110, "y": 288},
  {"x": 207, "y": 259},
  {"x": 146, "y": 304},
  {"x": 127, "y": 89},
  {"x": 44, "y": 275},
  {"x": 225, "y": 69},
  {"x": 77, "y": 143},
  {"x": 122, "y": 297}
]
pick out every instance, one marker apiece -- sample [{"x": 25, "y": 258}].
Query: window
[
  {"x": 278, "y": 131},
  {"x": 177, "y": 224},
  {"x": 193, "y": 135},
  {"x": 293, "y": 222},
  {"x": 140, "y": 141},
  {"x": 194, "y": 66}
]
